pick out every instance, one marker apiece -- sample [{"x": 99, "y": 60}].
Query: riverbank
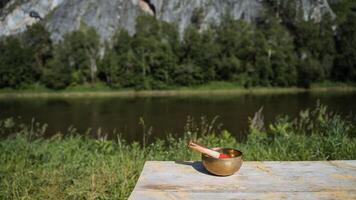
[
  {"x": 74, "y": 166},
  {"x": 214, "y": 88}
]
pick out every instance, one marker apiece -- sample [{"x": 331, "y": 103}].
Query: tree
[
  {"x": 311, "y": 38},
  {"x": 82, "y": 47},
  {"x": 145, "y": 60},
  {"x": 285, "y": 12},
  {"x": 345, "y": 65},
  {"x": 15, "y": 64},
  {"x": 243, "y": 51},
  {"x": 317, "y": 41},
  {"x": 342, "y": 9},
  {"x": 309, "y": 70},
  {"x": 153, "y": 45},
  {"x": 119, "y": 65},
  {"x": 3, "y": 3},
  {"x": 281, "y": 65},
  {"x": 189, "y": 72},
  {"x": 57, "y": 75},
  {"x": 74, "y": 59},
  {"x": 187, "y": 75},
  {"x": 327, "y": 48},
  {"x": 37, "y": 38},
  {"x": 229, "y": 34},
  {"x": 200, "y": 50},
  {"x": 229, "y": 68}
]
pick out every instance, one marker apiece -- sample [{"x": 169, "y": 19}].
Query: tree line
[{"x": 280, "y": 49}]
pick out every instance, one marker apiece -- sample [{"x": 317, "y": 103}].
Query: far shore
[{"x": 203, "y": 91}]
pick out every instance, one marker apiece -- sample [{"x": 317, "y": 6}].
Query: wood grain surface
[{"x": 255, "y": 180}]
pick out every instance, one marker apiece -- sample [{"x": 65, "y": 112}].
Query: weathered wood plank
[{"x": 255, "y": 180}]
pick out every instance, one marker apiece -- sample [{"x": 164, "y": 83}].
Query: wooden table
[{"x": 255, "y": 180}]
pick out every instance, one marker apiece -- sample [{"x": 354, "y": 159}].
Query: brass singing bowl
[{"x": 223, "y": 166}]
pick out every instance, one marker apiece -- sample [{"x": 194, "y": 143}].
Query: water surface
[{"x": 166, "y": 114}]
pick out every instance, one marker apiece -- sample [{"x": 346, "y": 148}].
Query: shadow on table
[{"x": 197, "y": 165}]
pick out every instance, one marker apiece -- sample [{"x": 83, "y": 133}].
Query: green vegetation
[
  {"x": 3, "y": 3},
  {"x": 345, "y": 65},
  {"x": 15, "y": 64},
  {"x": 280, "y": 50},
  {"x": 214, "y": 87},
  {"x": 74, "y": 166},
  {"x": 74, "y": 60},
  {"x": 342, "y": 8}
]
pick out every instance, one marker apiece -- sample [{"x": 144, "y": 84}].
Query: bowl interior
[{"x": 233, "y": 153}]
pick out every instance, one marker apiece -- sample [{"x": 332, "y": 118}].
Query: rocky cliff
[{"x": 106, "y": 16}]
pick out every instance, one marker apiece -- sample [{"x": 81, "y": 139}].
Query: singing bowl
[{"x": 223, "y": 166}]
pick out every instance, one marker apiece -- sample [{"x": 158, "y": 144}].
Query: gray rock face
[
  {"x": 182, "y": 11},
  {"x": 15, "y": 17},
  {"x": 106, "y": 16},
  {"x": 314, "y": 9}
]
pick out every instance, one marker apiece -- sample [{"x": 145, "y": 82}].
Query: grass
[
  {"x": 217, "y": 87},
  {"x": 74, "y": 166}
]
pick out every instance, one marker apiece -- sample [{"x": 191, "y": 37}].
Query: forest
[{"x": 278, "y": 50}]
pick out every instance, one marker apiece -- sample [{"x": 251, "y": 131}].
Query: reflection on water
[{"x": 166, "y": 114}]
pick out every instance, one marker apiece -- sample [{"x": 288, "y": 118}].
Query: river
[{"x": 166, "y": 114}]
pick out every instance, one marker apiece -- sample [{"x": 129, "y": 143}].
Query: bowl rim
[{"x": 218, "y": 148}]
